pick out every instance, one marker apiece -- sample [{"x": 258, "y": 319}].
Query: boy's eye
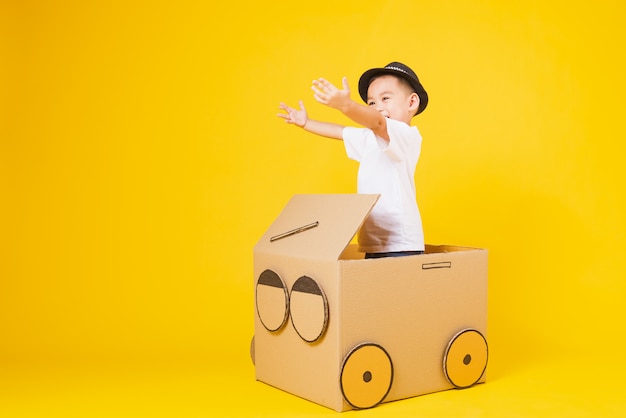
[{"x": 371, "y": 103}]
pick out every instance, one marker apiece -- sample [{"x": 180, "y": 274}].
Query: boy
[{"x": 387, "y": 149}]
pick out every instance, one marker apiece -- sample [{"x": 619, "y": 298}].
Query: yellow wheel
[
  {"x": 366, "y": 376},
  {"x": 308, "y": 308},
  {"x": 272, "y": 300},
  {"x": 465, "y": 359}
]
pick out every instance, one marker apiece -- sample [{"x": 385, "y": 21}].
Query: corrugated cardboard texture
[
  {"x": 337, "y": 218},
  {"x": 282, "y": 358},
  {"x": 406, "y": 310},
  {"x": 413, "y": 306}
]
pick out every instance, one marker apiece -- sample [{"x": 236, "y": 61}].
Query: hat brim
[{"x": 366, "y": 79}]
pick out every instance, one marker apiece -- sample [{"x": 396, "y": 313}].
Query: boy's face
[{"x": 391, "y": 97}]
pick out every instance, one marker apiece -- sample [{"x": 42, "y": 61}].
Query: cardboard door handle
[
  {"x": 294, "y": 231},
  {"x": 439, "y": 265}
]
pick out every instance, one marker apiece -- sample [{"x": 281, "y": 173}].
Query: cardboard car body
[{"x": 349, "y": 333}]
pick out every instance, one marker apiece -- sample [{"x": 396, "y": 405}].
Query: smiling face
[{"x": 393, "y": 97}]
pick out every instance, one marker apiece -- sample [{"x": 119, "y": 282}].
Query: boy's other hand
[
  {"x": 326, "y": 93},
  {"x": 294, "y": 116}
]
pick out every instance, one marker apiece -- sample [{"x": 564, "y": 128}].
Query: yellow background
[{"x": 141, "y": 159}]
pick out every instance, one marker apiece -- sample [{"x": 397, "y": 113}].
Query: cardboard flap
[{"x": 318, "y": 226}]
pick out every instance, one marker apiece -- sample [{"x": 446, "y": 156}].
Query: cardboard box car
[{"x": 349, "y": 333}]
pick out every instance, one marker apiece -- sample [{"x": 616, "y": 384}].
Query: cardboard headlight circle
[
  {"x": 366, "y": 376},
  {"x": 272, "y": 300},
  {"x": 308, "y": 308},
  {"x": 465, "y": 359}
]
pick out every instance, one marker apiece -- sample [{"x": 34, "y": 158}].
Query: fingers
[
  {"x": 291, "y": 115},
  {"x": 323, "y": 86},
  {"x": 288, "y": 111},
  {"x": 285, "y": 116},
  {"x": 318, "y": 89},
  {"x": 322, "y": 89},
  {"x": 322, "y": 82}
]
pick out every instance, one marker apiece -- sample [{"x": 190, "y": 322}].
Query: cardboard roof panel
[{"x": 317, "y": 226}]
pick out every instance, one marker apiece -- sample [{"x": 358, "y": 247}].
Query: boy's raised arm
[{"x": 326, "y": 93}]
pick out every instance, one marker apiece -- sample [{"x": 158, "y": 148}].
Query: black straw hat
[{"x": 399, "y": 70}]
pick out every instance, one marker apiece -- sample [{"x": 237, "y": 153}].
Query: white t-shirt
[{"x": 388, "y": 169}]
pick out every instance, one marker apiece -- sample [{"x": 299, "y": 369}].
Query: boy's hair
[{"x": 400, "y": 71}]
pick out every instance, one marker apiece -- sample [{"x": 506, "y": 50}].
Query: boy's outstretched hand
[
  {"x": 326, "y": 93},
  {"x": 294, "y": 116}
]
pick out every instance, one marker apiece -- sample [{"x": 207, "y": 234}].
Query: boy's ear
[{"x": 414, "y": 103}]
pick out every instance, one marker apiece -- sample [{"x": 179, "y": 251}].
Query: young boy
[{"x": 387, "y": 149}]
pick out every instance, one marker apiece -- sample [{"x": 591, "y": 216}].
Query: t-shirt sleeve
[
  {"x": 354, "y": 142},
  {"x": 404, "y": 141}
]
